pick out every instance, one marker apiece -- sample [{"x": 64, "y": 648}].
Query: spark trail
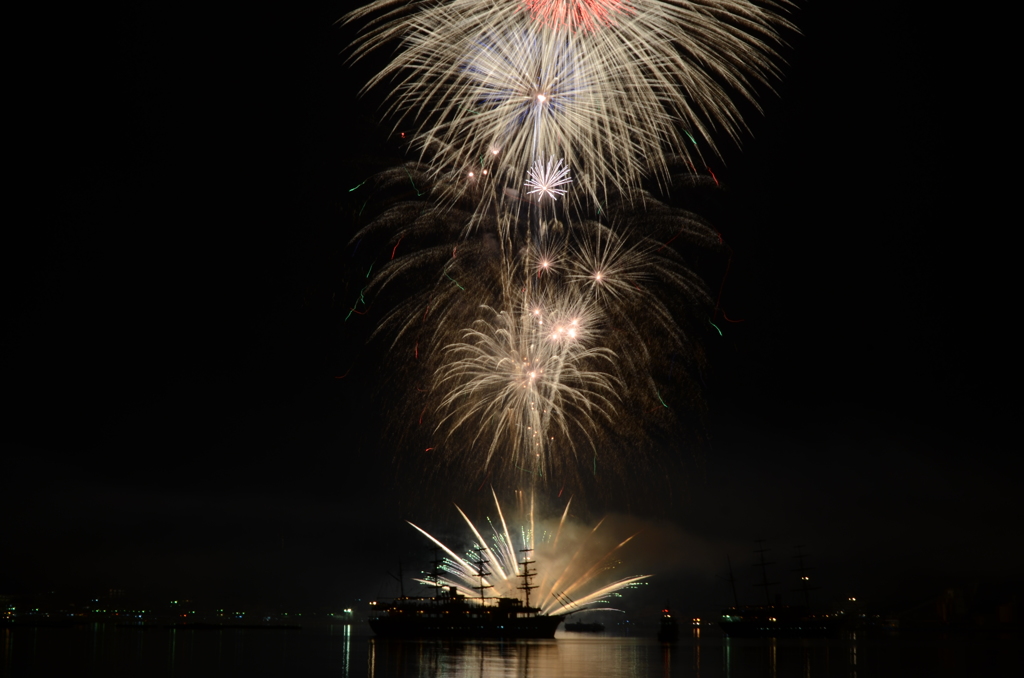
[
  {"x": 573, "y": 578},
  {"x": 540, "y": 325},
  {"x": 610, "y": 86},
  {"x": 537, "y": 357}
]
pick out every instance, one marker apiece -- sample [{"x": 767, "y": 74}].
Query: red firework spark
[{"x": 586, "y": 14}]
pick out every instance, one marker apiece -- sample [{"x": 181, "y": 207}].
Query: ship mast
[
  {"x": 527, "y": 574},
  {"x": 805, "y": 580},
  {"x": 480, "y": 573},
  {"x": 401, "y": 582},
  {"x": 732, "y": 582},
  {"x": 436, "y": 575},
  {"x": 764, "y": 572}
]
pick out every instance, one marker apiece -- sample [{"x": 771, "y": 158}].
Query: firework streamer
[
  {"x": 547, "y": 179},
  {"x": 542, "y": 326},
  {"x": 609, "y": 85},
  {"x": 576, "y": 569},
  {"x": 531, "y": 358}
]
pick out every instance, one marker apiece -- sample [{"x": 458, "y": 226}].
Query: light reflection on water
[
  {"x": 566, "y": 658},
  {"x": 345, "y": 652}
]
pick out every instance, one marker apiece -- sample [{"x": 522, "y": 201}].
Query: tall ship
[
  {"x": 779, "y": 621},
  {"x": 775, "y": 620},
  {"x": 450, "y": 614}
]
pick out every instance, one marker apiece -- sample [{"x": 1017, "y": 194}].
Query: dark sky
[{"x": 176, "y": 322}]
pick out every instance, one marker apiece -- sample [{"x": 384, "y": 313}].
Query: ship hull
[
  {"x": 779, "y": 622},
  {"x": 777, "y": 630},
  {"x": 540, "y": 626}
]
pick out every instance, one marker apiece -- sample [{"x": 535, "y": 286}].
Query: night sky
[{"x": 179, "y": 279}]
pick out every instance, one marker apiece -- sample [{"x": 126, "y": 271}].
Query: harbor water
[{"x": 342, "y": 651}]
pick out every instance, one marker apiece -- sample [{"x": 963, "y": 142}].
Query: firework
[
  {"x": 588, "y": 15},
  {"x": 543, "y": 357},
  {"x": 513, "y": 381},
  {"x": 547, "y": 179},
  {"x": 572, "y": 578},
  {"x": 534, "y": 326},
  {"x": 609, "y": 86}
]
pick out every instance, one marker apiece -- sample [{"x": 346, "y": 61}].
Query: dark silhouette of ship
[
  {"x": 452, "y": 615},
  {"x": 668, "y": 629},
  {"x": 449, "y": 614},
  {"x": 584, "y": 627},
  {"x": 778, "y": 620}
]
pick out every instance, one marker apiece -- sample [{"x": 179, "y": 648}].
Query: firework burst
[
  {"x": 587, "y": 15},
  {"x": 538, "y": 331},
  {"x": 516, "y": 379},
  {"x": 572, "y": 580},
  {"x": 643, "y": 78},
  {"x": 543, "y": 357},
  {"x": 548, "y": 178}
]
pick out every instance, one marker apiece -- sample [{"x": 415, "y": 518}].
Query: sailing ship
[
  {"x": 775, "y": 620},
  {"x": 450, "y": 614}
]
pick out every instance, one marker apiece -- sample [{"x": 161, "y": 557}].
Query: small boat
[
  {"x": 584, "y": 627},
  {"x": 668, "y": 629}
]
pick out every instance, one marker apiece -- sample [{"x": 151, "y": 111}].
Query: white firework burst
[
  {"x": 517, "y": 379},
  {"x": 623, "y": 82},
  {"x": 548, "y": 178},
  {"x": 530, "y": 368}
]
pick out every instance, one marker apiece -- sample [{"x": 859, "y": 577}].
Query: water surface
[{"x": 108, "y": 651}]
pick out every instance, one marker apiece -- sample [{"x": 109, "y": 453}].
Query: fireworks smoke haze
[{"x": 573, "y": 562}]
